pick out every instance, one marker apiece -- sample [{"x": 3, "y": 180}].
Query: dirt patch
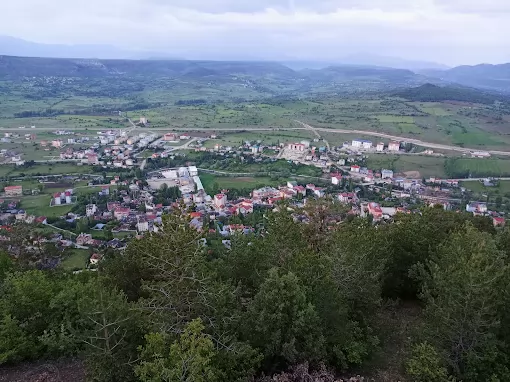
[
  {"x": 412, "y": 174},
  {"x": 65, "y": 370}
]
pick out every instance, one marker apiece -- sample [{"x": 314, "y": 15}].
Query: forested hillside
[{"x": 176, "y": 307}]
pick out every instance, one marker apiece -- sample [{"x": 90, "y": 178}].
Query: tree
[
  {"x": 112, "y": 336},
  {"x": 191, "y": 358},
  {"x": 282, "y": 323},
  {"x": 465, "y": 286},
  {"x": 425, "y": 365}
]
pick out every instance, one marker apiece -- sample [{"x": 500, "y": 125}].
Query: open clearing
[
  {"x": 224, "y": 182},
  {"x": 78, "y": 259}
]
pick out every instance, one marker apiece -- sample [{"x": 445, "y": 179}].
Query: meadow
[
  {"x": 225, "y": 182},
  {"x": 426, "y": 166}
]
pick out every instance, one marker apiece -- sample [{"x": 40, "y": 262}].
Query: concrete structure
[
  {"x": 143, "y": 120},
  {"x": 336, "y": 179},
  {"x": 13, "y": 190},
  {"x": 296, "y": 147},
  {"x": 170, "y": 137},
  {"x": 386, "y": 174},
  {"x": 57, "y": 143},
  {"x": 394, "y": 146},
  {"x": 380, "y": 147},
  {"x": 90, "y": 210},
  {"x": 361, "y": 143},
  {"x": 220, "y": 201}
]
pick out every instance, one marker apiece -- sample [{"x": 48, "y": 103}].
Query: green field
[
  {"x": 395, "y": 119},
  {"x": 476, "y": 186},
  {"x": 78, "y": 259},
  {"x": 39, "y": 205},
  {"x": 45, "y": 169},
  {"x": 474, "y": 167},
  {"x": 425, "y": 165},
  {"x": 224, "y": 182}
]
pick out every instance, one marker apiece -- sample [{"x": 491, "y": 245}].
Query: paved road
[{"x": 315, "y": 129}]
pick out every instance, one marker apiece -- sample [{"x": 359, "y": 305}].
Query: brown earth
[{"x": 64, "y": 370}]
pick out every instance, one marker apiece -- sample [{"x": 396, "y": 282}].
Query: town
[{"x": 127, "y": 206}]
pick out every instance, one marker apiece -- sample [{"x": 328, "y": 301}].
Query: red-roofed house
[
  {"x": 348, "y": 197},
  {"x": 13, "y": 190},
  {"x": 375, "y": 210},
  {"x": 336, "y": 179},
  {"x": 498, "y": 222},
  {"x": 355, "y": 168},
  {"x": 121, "y": 212},
  {"x": 300, "y": 190}
]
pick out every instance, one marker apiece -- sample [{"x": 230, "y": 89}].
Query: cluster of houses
[
  {"x": 62, "y": 198},
  {"x": 362, "y": 144}
]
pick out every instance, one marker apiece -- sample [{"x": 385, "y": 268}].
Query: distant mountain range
[
  {"x": 93, "y": 60},
  {"x": 11, "y": 46}
]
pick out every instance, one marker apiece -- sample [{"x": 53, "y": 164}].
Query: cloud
[{"x": 452, "y": 31}]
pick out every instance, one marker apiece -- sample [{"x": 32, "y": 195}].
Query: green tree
[
  {"x": 191, "y": 358},
  {"x": 282, "y": 323},
  {"x": 425, "y": 365},
  {"x": 465, "y": 286}
]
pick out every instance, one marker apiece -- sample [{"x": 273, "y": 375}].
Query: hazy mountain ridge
[{"x": 484, "y": 76}]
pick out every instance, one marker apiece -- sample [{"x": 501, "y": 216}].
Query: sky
[{"x": 452, "y": 32}]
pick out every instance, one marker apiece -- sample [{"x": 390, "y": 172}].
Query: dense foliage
[
  {"x": 170, "y": 308},
  {"x": 433, "y": 93}
]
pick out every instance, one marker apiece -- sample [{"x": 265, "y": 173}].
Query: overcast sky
[{"x": 447, "y": 31}]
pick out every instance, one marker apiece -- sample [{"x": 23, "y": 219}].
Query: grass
[
  {"x": 395, "y": 119},
  {"x": 476, "y": 186},
  {"x": 224, "y": 182},
  {"x": 426, "y": 166},
  {"x": 481, "y": 167},
  {"x": 78, "y": 259},
  {"x": 39, "y": 205}
]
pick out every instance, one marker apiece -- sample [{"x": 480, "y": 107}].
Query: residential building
[
  {"x": 362, "y": 143},
  {"x": 394, "y": 146},
  {"x": 170, "y": 137},
  {"x": 92, "y": 159},
  {"x": 143, "y": 120},
  {"x": 347, "y": 197},
  {"x": 296, "y": 147},
  {"x": 386, "y": 174},
  {"x": 355, "y": 168},
  {"x": 121, "y": 213},
  {"x": 498, "y": 222},
  {"x": 265, "y": 192},
  {"x": 375, "y": 210},
  {"x": 380, "y": 147},
  {"x": 476, "y": 208},
  {"x": 84, "y": 239},
  {"x": 57, "y": 143},
  {"x": 336, "y": 179},
  {"x": 13, "y": 190},
  {"x": 91, "y": 210},
  {"x": 220, "y": 201}
]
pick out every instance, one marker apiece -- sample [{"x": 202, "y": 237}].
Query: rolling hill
[
  {"x": 434, "y": 93},
  {"x": 484, "y": 76}
]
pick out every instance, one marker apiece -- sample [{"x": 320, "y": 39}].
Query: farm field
[
  {"x": 473, "y": 167},
  {"x": 426, "y": 166},
  {"x": 476, "y": 186},
  {"x": 44, "y": 169}
]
